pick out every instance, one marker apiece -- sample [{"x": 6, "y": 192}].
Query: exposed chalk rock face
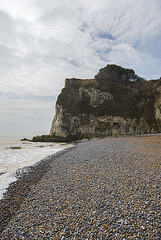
[
  {"x": 115, "y": 102},
  {"x": 58, "y": 122},
  {"x": 96, "y": 96},
  {"x": 157, "y": 107}
]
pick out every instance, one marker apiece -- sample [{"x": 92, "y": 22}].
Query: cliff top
[{"x": 132, "y": 95}]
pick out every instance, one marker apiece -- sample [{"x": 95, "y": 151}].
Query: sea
[{"x": 16, "y": 154}]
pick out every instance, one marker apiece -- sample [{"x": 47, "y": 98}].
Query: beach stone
[{"x": 99, "y": 189}]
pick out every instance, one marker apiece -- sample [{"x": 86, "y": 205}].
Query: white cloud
[
  {"x": 20, "y": 9},
  {"x": 129, "y": 57}
]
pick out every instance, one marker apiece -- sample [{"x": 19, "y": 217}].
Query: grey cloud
[
  {"x": 5, "y": 52},
  {"x": 6, "y": 21},
  {"x": 41, "y": 98},
  {"x": 63, "y": 14},
  {"x": 105, "y": 35},
  {"x": 7, "y": 33},
  {"x": 57, "y": 15}
]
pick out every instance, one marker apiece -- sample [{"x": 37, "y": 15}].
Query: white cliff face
[
  {"x": 97, "y": 97},
  {"x": 158, "y": 105},
  {"x": 89, "y": 126},
  {"x": 57, "y": 123},
  {"x": 126, "y": 105}
]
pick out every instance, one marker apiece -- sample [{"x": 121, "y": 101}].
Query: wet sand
[{"x": 101, "y": 189}]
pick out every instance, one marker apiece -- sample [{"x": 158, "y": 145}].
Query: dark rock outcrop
[{"x": 115, "y": 102}]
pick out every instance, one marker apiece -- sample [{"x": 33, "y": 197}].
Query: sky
[{"x": 42, "y": 42}]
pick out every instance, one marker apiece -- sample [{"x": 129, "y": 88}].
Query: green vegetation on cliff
[
  {"x": 134, "y": 97},
  {"x": 115, "y": 102}
]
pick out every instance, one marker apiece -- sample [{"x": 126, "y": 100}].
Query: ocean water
[{"x": 16, "y": 154}]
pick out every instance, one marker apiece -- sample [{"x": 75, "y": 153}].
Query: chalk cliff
[{"x": 115, "y": 102}]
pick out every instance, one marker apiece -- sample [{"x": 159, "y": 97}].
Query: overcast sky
[{"x": 42, "y": 42}]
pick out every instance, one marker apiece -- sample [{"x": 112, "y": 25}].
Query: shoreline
[
  {"x": 13, "y": 158},
  {"x": 17, "y": 191},
  {"x": 107, "y": 188}
]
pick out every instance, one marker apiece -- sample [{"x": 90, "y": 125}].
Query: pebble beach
[{"x": 99, "y": 189}]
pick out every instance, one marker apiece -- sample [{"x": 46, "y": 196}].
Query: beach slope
[{"x": 101, "y": 189}]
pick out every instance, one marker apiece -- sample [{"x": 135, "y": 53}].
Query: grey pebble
[{"x": 100, "y": 189}]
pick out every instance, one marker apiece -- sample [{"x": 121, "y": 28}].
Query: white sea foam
[{"x": 15, "y": 155}]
